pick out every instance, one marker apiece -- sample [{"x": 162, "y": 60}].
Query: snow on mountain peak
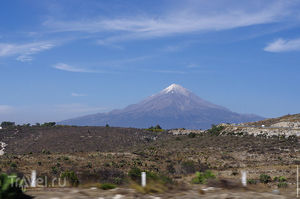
[{"x": 175, "y": 88}]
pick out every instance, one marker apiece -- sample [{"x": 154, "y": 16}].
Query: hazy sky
[{"x": 67, "y": 58}]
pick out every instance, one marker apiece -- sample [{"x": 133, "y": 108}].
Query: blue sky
[{"x": 67, "y": 58}]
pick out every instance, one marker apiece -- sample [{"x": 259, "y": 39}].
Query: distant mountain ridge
[{"x": 173, "y": 107}]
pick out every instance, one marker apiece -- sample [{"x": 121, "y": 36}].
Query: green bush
[
  {"x": 171, "y": 169},
  {"x": 251, "y": 181},
  {"x": 280, "y": 179},
  {"x": 202, "y": 177},
  {"x": 11, "y": 187},
  {"x": 215, "y": 130},
  {"x": 135, "y": 173},
  {"x": 106, "y": 186},
  {"x": 13, "y": 165},
  {"x": 188, "y": 167},
  {"x": 118, "y": 180},
  {"x": 282, "y": 185},
  {"x": 66, "y": 158},
  {"x": 263, "y": 178},
  {"x": 49, "y": 124},
  {"x": 192, "y": 135},
  {"x": 89, "y": 165},
  {"x": 71, "y": 177},
  {"x": 157, "y": 128},
  {"x": 54, "y": 170},
  {"x": 111, "y": 175},
  {"x": 7, "y": 124}
]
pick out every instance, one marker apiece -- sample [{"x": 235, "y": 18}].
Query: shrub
[
  {"x": 13, "y": 165},
  {"x": 89, "y": 165},
  {"x": 171, "y": 169},
  {"x": 280, "y": 179},
  {"x": 11, "y": 187},
  {"x": 215, "y": 130},
  {"x": 188, "y": 167},
  {"x": 66, "y": 158},
  {"x": 107, "y": 186},
  {"x": 49, "y": 124},
  {"x": 192, "y": 135},
  {"x": 135, "y": 173},
  {"x": 157, "y": 128},
  {"x": 263, "y": 178},
  {"x": 54, "y": 170},
  {"x": 235, "y": 173},
  {"x": 251, "y": 181},
  {"x": 118, "y": 180},
  {"x": 114, "y": 176},
  {"x": 282, "y": 185},
  {"x": 71, "y": 177},
  {"x": 7, "y": 124},
  {"x": 202, "y": 177}
]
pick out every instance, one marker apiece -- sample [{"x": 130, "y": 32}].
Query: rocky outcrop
[
  {"x": 261, "y": 131},
  {"x": 182, "y": 131},
  {"x": 287, "y": 125}
]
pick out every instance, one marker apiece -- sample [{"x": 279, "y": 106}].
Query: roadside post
[
  {"x": 33, "y": 179},
  {"x": 143, "y": 179},
  {"x": 244, "y": 178}
]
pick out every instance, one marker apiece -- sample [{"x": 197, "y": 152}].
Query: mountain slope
[{"x": 173, "y": 107}]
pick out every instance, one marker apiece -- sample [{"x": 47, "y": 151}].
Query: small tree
[
  {"x": 215, "y": 130},
  {"x": 50, "y": 124},
  {"x": 201, "y": 178},
  {"x": 71, "y": 177},
  {"x": 264, "y": 178},
  {"x": 11, "y": 187},
  {"x": 7, "y": 124},
  {"x": 157, "y": 127}
]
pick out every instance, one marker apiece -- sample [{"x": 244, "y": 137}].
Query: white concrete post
[
  {"x": 143, "y": 179},
  {"x": 33, "y": 179},
  {"x": 297, "y": 181},
  {"x": 244, "y": 178}
]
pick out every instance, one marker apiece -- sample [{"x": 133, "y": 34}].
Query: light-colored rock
[
  {"x": 118, "y": 196},
  {"x": 261, "y": 131},
  {"x": 184, "y": 131},
  {"x": 287, "y": 125},
  {"x": 2, "y": 150}
]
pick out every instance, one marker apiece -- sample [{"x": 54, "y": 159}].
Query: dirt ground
[
  {"x": 130, "y": 193},
  {"x": 105, "y": 155}
]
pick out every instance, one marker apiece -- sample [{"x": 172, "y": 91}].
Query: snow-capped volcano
[
  {"x": 173, "y": 107},
  {"x": 175, "y": 88}
]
